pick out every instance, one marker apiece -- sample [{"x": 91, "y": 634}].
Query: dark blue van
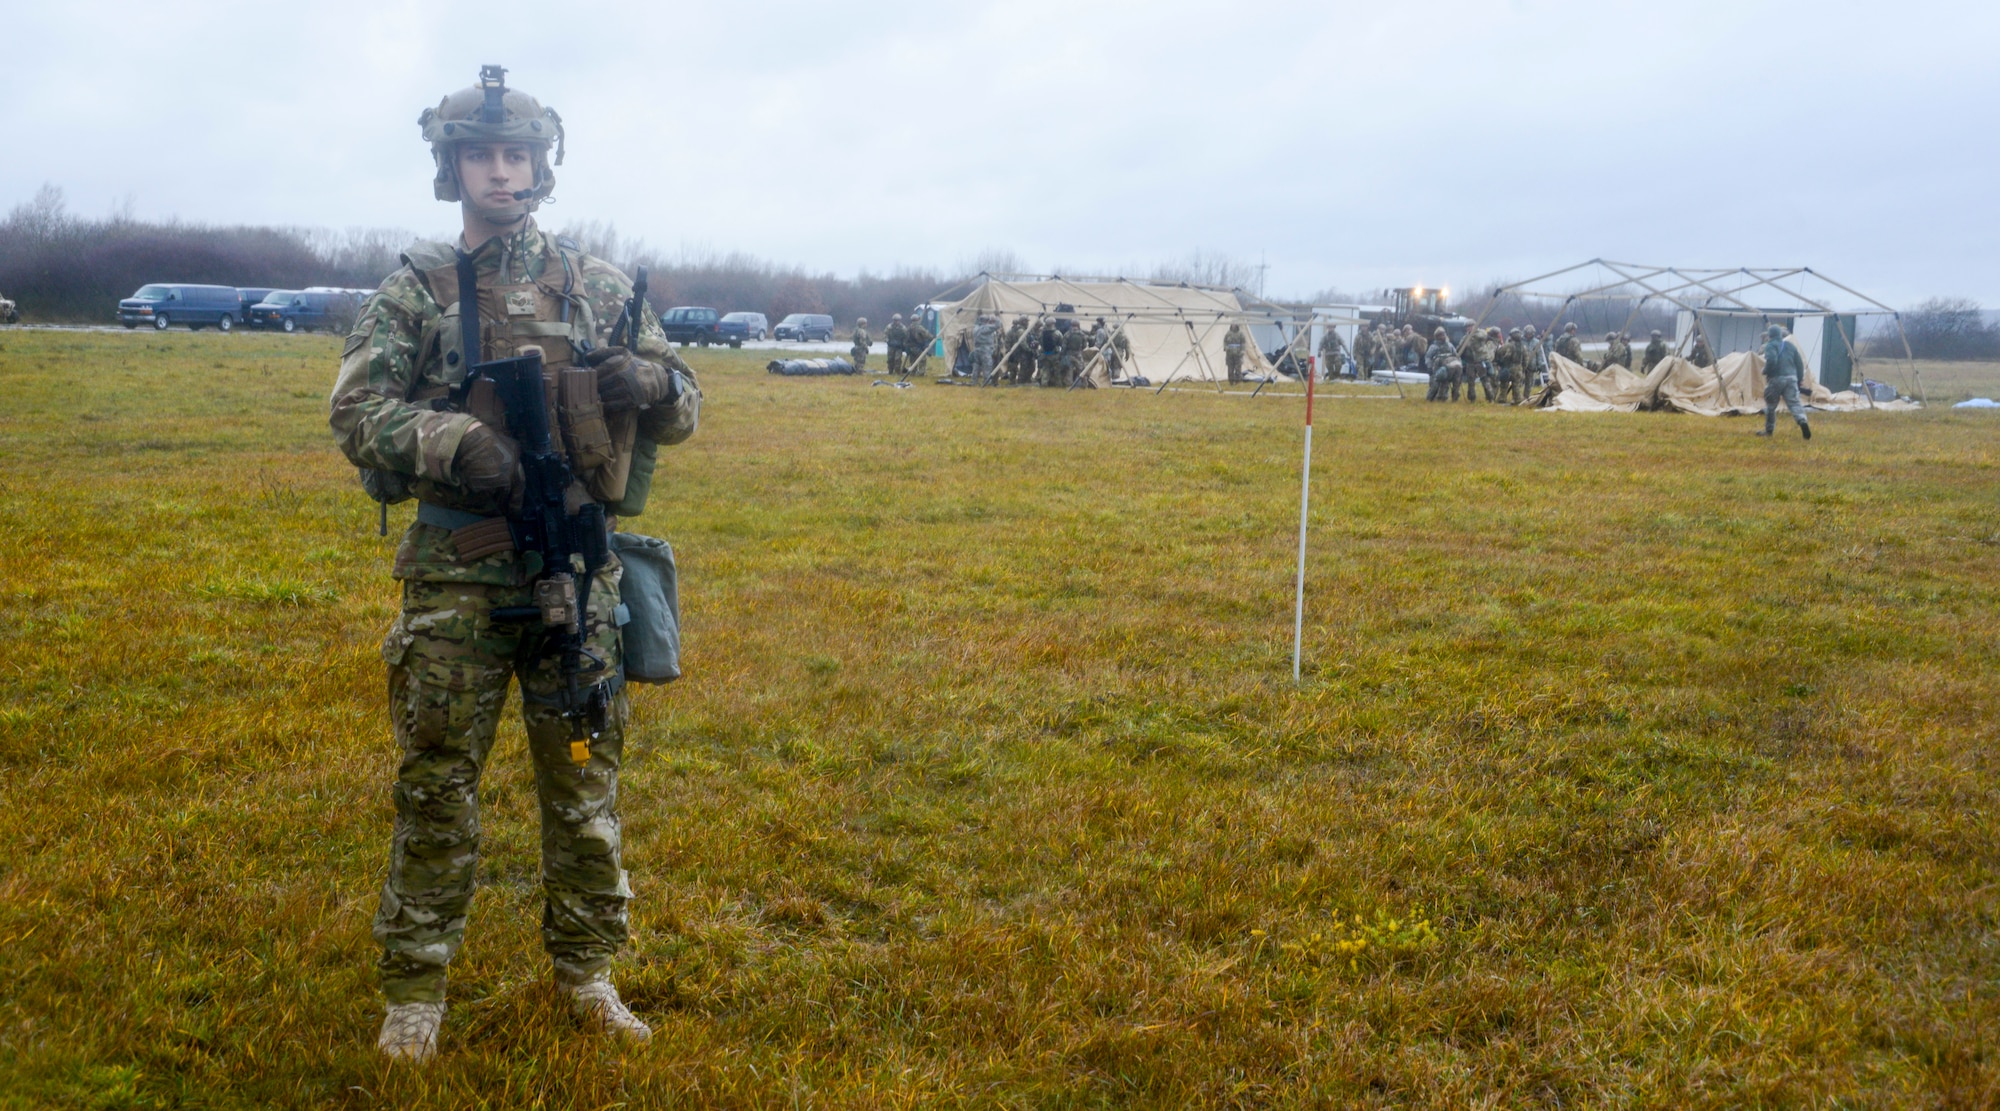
[
  {"x": 196, "y": 306},
  {"x": 248, "y": 297},
  {"x": 290, "y": 310}
]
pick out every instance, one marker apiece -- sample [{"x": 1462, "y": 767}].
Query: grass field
[{"x": 1639, "y": 762}]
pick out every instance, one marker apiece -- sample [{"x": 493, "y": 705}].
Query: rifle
[
  {"x": 543, "y": 524},
  {"x": 628, "y": 319}
]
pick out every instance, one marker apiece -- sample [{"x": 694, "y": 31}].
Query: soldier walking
[
  {"x": 1332, "y": 353},
  {"x": 402, "y": 411},
  {"x": 1784, "y": 369},
  {"x": 861, "y": 345}
]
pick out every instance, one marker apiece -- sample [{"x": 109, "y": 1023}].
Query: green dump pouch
[{"x": 650, "y": 594}]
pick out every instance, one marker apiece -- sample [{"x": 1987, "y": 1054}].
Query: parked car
[
  {"x": 805, "y": 326},
  {"x": 9, "y": 313},
  {"x": 691, "y": 324},
  {"x": 306, "y": 309},
  {"x": 167, "y": 304},
  {"x": 755, "y": 324},
  {"x": 247, "y": 298}
]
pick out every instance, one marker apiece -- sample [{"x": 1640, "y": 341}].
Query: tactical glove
[
  {"x": 488, "y": 462},
  {"x": 625, "y": 382}
]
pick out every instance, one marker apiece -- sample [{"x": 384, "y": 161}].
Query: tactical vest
[{"x": 514, "y": 316}]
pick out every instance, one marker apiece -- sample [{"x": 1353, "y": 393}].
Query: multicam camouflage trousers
[
  {"x": 896, "y": 361},
  {"x": 982, "y": 365},
  {"x": 450, "y": 667},
  {"x": 1049, "y": 369},
  {"x": 860, "y": 357}
]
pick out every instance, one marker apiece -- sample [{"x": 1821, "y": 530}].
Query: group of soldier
[
  {"x": 1055, "y": 351},
  {"x": 909, "y": 344},
  {"x": 1500, "y": 368}
]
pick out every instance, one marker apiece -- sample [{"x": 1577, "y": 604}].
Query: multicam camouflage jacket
[{"x": 394, "y": 408}]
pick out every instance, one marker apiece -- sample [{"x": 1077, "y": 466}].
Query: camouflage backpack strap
[{"x": 578, "y": 314}]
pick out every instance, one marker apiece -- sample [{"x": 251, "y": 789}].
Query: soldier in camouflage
[
  {"x": 405, "y": 412},
  {"x": 1075, "y": 340},
  {"x": 1234, "y": 341},
  {"x": 1332, "y": 353},
  {"x": 1476, "y": 352},
  {"x": 1117, "y": 348},
  {"x": 895, "y": 337},
  {"x": 1656, "y": 353},
  {"x": 917, "y": 343},
  {"x": 1617, "y": 350},
  {"x": 1510, "y": 364},
  {"x": 862, "y": 341},
  {"x": 1570, "y": 346},
  {"x": 1784, "y": 369},
  {"x": 1444, "y": 365},
  {"x": 1049, "y": 354},
  {"x": 1701, "y": 356},
  {"x": 1020, "y": 352},
  {"x": 985, "y": 338},
  {"x": 1538, "y": 359}
]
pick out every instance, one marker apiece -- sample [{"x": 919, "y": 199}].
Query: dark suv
[
  {"x": 805, "y": 326},
  {"x": 688, "y": 324},
  {"x": 168, "y": 304}
]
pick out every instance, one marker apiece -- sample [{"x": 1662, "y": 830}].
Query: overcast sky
[{"x": 1349, "y": 145}]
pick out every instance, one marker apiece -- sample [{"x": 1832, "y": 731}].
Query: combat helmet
[
  {"x": 861, "y": 320},
  {"x": 896, "y": 316},
  {"x": 490, "y": 112}
]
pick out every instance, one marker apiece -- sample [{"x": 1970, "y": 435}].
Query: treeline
[
  {"x": 64, "y": 268},
  {"x": 1941, "y": 328},
  {"x": 60, "y": 267}
]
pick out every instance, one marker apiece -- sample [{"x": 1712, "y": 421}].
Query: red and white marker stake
[{"x": 1305, "y": 500}]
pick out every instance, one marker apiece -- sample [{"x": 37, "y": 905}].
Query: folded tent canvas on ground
[
  {"x": 1731, "y": 309},
  {"x": 1175, "y": 330}
]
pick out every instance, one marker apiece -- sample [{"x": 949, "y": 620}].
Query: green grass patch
[{"x": 1638, "y": 761}]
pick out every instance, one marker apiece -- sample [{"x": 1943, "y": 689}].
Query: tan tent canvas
[
  {"x": 1175, "y": 330},
  {"x": 1734, "y": 386}
]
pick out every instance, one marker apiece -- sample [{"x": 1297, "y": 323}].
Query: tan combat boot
[
  {"x": 410, "y": 1031},
  {"x": 596, "y": 1002}
]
